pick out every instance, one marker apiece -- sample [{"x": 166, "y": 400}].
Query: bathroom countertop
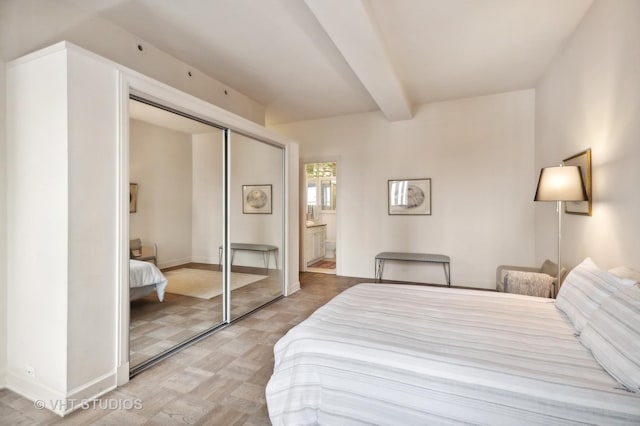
[{"x": 316, "y": 225}]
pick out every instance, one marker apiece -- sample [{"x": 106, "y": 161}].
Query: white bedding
[
  {"x": 144, "y": 277},
  {"x": 404, "y": 354}
]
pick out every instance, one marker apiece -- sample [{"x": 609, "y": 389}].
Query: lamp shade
[{"x": 563, "y": 183}]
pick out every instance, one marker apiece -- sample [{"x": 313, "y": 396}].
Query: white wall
[
  {"x": 590, "y": 98},
  {"x": 208, "y": 197},
  {"x": 28, "y": 342},
  {"x": 478, "y": 153},
  {"x": 180, "y": 195},
  {"x": 92, "y": 90},
  {"x": 160, "y": 163},
  {"x": 3, "y": 232}
]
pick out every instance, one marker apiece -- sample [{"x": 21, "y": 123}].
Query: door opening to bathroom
[{"x": 320, "y": 234}]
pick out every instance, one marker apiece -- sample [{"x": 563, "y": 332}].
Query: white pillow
[
  {"x": 584, "y": 289},
  {"x": 624, "y": 272},
  {"x": 613, "y": 335}
]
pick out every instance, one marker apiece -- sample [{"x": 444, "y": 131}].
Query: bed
[
  {"x": 404, "y": 354},
  {"x": 144, "y": 278}
]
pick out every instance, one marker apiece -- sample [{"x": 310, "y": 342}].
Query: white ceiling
[{"x": 306, "y": 59}]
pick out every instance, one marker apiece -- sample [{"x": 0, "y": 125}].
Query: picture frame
[
  {"x": 409, "y": 196},
  {"x": 256, "y": 199},
  {"x": 133, "y": 197},
  {"x": 583, "y": 160}
]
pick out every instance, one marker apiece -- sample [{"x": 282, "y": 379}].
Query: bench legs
[
  {"x": 447, "y": 272},
  {"x": 379, "y": 269},
  {"x": 265, "y": 258}
]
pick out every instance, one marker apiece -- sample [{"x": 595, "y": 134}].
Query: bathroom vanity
[{"x": 314, "y": 242}]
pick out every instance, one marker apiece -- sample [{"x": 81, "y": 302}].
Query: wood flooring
[
  {"x": 218, "y": 381},
  {"x": 156, "y": 327}
]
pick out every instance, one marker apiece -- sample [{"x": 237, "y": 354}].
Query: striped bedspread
[{"x": 405, "y": 354}]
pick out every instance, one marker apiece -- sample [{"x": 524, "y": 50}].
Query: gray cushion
[{"x": 528, "y": 283}]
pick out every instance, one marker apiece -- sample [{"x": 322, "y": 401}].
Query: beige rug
[{"x": 204, "y": 284}]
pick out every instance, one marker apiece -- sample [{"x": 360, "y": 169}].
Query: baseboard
[
  {"x": 203, "y": 259},
  {"x": 56, "y": 401},
  {"x": 174, "y": 262},
  {"x": 3, "y": 378},
  {"x": 91, "y": 391},
  {"x": 36, "y": 392},
  {"x": 122, "y": 374},
  {"x": 292, "y": 288}
]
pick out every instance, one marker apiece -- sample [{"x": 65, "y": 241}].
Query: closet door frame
[{"x": 140, "y": 86}]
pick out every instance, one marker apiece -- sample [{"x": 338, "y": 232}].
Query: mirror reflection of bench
[{"x": 265, "y": 249}]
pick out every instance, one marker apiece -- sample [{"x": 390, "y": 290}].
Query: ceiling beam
[{"x": 353, "y": 30}]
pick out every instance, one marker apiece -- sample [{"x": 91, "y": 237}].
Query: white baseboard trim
[
  {"x": 292, "y": 288},
  {"x": 37, "y": 392},
  {"x": 122, "y": 374},
  {"x": 174, "y": 262},
  {"x": 56, "y": 401},
  {"x": 3, "y": 378},
  {"x": 91, "y": 391},
  {"x": 203, "y": 259}
]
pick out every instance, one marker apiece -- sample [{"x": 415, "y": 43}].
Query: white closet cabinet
[
  {"x": 67, "y": 189},
  {"x": 62, "y": 177}
]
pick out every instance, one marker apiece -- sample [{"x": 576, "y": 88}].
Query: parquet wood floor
[
  {"x": 156, "y": 327},
  {"x": 217, "y": 381}
]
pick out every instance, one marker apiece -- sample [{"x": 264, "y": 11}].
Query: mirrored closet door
[
  {"x": 176, "y": 230},
  {"x": 256, "y": 217}
]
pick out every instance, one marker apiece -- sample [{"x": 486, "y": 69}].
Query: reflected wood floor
[
  {"x": 218, "y": 381},
  {"x": 157, "y": 326}
]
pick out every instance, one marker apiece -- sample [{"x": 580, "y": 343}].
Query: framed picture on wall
[
  {"x": 133, "y": 197},
  {"x": 583, "y": 160},
  {"x": 256, "y": 199},
  {"x": 410, "y": 196}
]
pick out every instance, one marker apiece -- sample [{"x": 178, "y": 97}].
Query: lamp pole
[
  {"x": 562, "y": 183},
  {"x": 557, "y": 286}
]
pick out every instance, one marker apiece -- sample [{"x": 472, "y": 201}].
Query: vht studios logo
[{"x": 88, "y": 404}]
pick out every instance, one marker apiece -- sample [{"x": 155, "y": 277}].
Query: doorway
[{"x": 320, "y": 231}]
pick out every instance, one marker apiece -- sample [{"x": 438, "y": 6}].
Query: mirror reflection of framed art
[
  {"x": 410, "y": 196},
  {"x": 256, "y": 199}
]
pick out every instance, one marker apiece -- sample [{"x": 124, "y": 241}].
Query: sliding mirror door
[
  {"x": 255, "y": 223},
  {"x": 176, "y": 228}
]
